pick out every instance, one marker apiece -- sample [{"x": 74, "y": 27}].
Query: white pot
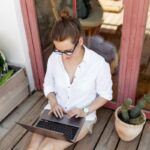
[{"x": 127, "y": 132}]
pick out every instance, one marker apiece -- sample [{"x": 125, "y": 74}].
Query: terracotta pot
[{"x": 127, "y": 132}]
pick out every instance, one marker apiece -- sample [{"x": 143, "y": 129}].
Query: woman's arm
[
  {"x": 55, "y": 107},
  {"x": 97, "y": 103}
]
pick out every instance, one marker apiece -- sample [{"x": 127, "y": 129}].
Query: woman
[{"x": 77, "y": 81}]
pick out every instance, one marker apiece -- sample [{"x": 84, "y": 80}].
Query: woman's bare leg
[{"x": 35, "y": 141}]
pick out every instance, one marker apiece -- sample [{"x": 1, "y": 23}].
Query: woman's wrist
[
  {"x": 53, "y": 103},
  {"x": 86, "y": 111},
  {"x": 52, "y": 99}
]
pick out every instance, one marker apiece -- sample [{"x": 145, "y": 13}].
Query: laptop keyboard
[{"x": 68, "y": 130}]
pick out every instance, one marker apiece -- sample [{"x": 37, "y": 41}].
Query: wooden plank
[
  {"x": 32, "y": 47},
  {"x": 9, "y": 122},
  {"x": 125, "y": 42},
  {"x": 16, "y": 133},
  {"x": 36, "y": 49},
  {"x": 140, "y": 23},
  {"x": 148, "y": 20},
  {"x": 13, "y": 93},
  {"x": 88, "y": 143},
  {"x": 132, "y": 145},
  {"x": 109, "y": 138},
  {"x": 24, "y": 142},
  {"x": 113, "y": 18},
  {"x": 111, "y": 5},
  {"x": 108, "y": 29},
  {"x": 145, "y": 139}
]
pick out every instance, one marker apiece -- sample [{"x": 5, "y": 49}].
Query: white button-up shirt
[{"x": 92, "y": 78}]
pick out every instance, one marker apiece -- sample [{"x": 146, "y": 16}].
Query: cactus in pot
[
  {"x": 140, "y": 105},
  {"x": 124, "y": 110},
  {"x": 133, "y": 115},
  {"x": 129, "y": 120}
]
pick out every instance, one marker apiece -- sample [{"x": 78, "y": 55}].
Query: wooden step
[
  {"x": 15, "y": 134},
  {"x": 144, "y": 143},
  {"x": 17, "y": 114},
  {"x": 111, "y": 5},
  {"x": 13, "y": 93},
  {"x": 109, "y": 138}
]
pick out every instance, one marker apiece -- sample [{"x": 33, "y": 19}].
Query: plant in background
[
  {"x": 5, "y": 73},
  {"x": 130, "y": 120},
  {"x": 134, "y": 115}
]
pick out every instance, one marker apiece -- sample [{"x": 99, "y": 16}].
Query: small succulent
[
  {"x": 5, "y": 74},
  {"x": 3, "y": 64},
  {"x": 134, "y": 115}
]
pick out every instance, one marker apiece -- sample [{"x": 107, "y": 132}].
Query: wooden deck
[{"x": 104, "y": 137}]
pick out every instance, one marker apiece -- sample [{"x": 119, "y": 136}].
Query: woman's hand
[
  {"x": 58, "y": 110},
  {"x": 76, "y": 112}
]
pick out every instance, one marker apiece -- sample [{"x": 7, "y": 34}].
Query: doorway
[{"x": 123, "y": 34}]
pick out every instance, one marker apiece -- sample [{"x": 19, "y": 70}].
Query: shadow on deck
[{"x": 104, "y": 136}]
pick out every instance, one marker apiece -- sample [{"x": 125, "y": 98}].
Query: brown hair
[{"x": 66, "y": 27}]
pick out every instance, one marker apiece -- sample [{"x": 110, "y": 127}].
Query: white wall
[{"x": 12, "y": 36}]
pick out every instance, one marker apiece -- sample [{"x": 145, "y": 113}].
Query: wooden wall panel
[
  {"x": 31, "y": 26},
  {"x": 131, "y": 47}
]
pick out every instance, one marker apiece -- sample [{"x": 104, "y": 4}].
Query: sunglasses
[{"x": 66, "y": 52}]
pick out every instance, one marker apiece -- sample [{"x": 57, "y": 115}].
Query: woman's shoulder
[{"x": 52, "y": 57}]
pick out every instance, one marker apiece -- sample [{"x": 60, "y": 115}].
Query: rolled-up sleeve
[
  {"x": 49, "y": 78},
  {"x": 104, "y": 82}
]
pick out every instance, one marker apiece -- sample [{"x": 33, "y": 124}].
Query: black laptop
[{"x": 60, "y": 128}]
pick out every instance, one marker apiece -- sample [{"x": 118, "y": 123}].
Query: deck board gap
[
  {"x": 140, "y": 137},
  {"x": 103, "y": 130}
]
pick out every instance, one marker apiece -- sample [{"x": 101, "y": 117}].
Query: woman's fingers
[
  {"x": 74, "y": 112},
  {"x": 55, "y": 113},
  {"x": 70, "y": 113},
  {"x": 58, "y": 111},
  {"x": 77, "y": 112}
]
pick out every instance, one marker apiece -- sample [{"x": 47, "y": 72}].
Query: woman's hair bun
[{"x": 64, "y": 14}]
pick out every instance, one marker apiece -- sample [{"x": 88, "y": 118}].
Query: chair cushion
[
  {"x": 94, "y": 19},
  {"x": 103, "y": 48}
]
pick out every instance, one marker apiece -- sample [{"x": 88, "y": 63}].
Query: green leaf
[
  {"x": 6, "y": 77},
  {"x": 2, "y": 62}
]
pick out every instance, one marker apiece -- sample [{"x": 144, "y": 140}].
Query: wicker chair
[
  {"x": 105, "y": 49},
  {"x": 90, "y": 24}
]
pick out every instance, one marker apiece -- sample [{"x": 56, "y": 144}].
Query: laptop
[{"x": 59, "y": 128}]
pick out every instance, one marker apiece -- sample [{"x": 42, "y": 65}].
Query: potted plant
[
  {"x": 129, "y": 120},
  {"x": 13, "y": 86},
  {"x": 5, "y": 73}
]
